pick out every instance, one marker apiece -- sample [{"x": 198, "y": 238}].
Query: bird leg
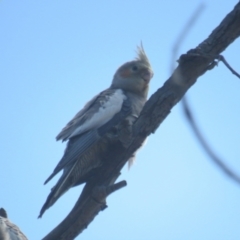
[{"x": 125, "y": 133}]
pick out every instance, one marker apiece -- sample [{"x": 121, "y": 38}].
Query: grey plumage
[
  {"x": 93, "y": 129},
  {"x": 8, "y": 230}
]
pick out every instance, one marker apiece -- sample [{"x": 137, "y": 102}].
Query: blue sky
[{"x": 55, "y": 56}]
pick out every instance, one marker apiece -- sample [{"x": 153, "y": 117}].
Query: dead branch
[{"x": 186, "y": 107}]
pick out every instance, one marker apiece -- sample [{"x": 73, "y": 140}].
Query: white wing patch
[{"x": 108, "y": 109}]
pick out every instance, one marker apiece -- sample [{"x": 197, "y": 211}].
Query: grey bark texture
[{"x": 192, "y": 65}]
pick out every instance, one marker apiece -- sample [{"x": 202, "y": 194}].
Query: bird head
[{"x": 134, "y": 76}]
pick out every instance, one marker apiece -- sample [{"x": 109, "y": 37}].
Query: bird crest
[{"x": 141, "y": 55}]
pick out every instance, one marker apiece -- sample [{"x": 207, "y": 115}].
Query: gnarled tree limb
[{"x": 191, "y": 66}]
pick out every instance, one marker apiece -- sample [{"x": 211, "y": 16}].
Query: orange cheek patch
[{"x": 125, "y": 73}]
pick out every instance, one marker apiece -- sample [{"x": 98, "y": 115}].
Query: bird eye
[{"x": 134, "y": 68}]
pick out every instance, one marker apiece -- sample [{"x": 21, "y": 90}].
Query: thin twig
[
  {"x": 217, "y": 160},
  {"x": 222, "y": 59},
  {"x": 190, "y": 23}
]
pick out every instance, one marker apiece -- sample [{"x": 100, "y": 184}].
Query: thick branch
[
  {"x": 191, "y": 66},
  {"x": 87, "y": 208}
]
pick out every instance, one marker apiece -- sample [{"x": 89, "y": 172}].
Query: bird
[
  {"x": 106, "y": 118},
  {"x": 8, "y": 230}
]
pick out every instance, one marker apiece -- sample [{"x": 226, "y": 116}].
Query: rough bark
[{"x": 191, "y": 66}]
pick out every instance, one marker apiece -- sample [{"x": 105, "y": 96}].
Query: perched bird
[
  {"x": 8, "y": 230},
  {"x": 105, "y": 118}
]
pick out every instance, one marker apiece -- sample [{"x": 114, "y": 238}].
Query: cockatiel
[
  {"x": 8, "y": 230},
  {"x": 110, "y": 113}
]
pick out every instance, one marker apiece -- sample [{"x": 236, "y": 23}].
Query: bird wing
[
  {"x": 8, "y": 230},
  {"x": 95, "y": 113},
  {"x": 99, "y": 115}
]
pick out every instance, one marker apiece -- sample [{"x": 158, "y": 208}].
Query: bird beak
[{"x": 146, "y": 75}]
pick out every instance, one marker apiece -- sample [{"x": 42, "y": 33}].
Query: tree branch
[
  {"x": 186, "y": 107},
  {"x": 191, "y": 66}
]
